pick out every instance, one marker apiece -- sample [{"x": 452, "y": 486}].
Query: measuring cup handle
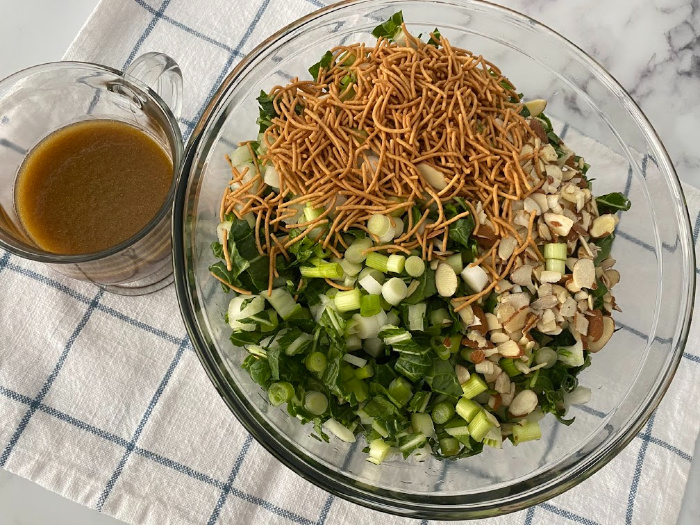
[{"x": 162, "y": 74}]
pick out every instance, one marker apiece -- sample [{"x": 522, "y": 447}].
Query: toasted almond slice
[
  {"x": 524, "y": 403},
  {"x": 584, "y": 273},
  {"x": 608, "y": 330},
  {"x": 509, "y": 349},
  {"x": 517, "y": 320}
]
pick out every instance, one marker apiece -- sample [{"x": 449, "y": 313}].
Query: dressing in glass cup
[{"x": 36, "y": 102}]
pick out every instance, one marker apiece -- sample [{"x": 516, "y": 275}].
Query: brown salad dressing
[{"x": 90, "y": 186}]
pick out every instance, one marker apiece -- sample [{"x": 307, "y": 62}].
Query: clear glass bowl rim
[{"x": 445, "y": 507}]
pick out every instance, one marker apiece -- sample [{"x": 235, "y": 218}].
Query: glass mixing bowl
[{"x": 654, "y": 253}]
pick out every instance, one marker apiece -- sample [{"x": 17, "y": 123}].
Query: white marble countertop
[{"x": 652, "y": 48}]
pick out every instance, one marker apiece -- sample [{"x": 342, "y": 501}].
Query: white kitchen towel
[{"x": 103, "y": 400}]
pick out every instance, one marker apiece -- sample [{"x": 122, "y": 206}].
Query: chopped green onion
[
  {"x": 546, "y": 355},
  {"x": 358, "y": 388},
  {"x": 349, "y": 268},
  {"x": 467, "y": 409},
  {"x": 380, "y": 225},
  {"x": 364, "y": 372},
  {"x": 457, "y": 428},
  {"x": 416, "y": 316},
  {"x": 299, "y": 344},
  {"x": 400, "y": 391},
  {"x": 555, "y": 250},
  {"x": 493, "y": 438},
  {"x": 398, "y": 226},
  {"x": 423, "y": 423},
  {"x": 346, "y": 301},
  {"x": 378, "y": 451},
  {"x": 455, "y": 262},
  {"x": 280, "y": 392},
  {"x": 380, "y": 428},
  {"x": 419, "y": 401},
  {"x": 283, "y": 303},
  {"x": 316, "y": 402},
  {"x": 438, "y": 344},
  {"x": 353, "y": 342},
  {"x": 440, "y": 317},
  {"x": 395, "y": 263},
  {"x": 394, "y": 291},
  {"x": 324, "y": 270},
  {"x": 370, "y": 284},
  {"x": 449, "y": 446},
  {"x": 443, "y": 412},
  {"x": 373, "y": 346},
  {"x": 368, "y": 327},
  {"x": 571, "y": 355},
  {"x": 414, "y": 266},
  {"x": 240, "y": 155},
  {"x": 479, "y": 426},
  {"x": 354, "y": 360},
  {"x": 375, "y": 274},
  {"x": 316, "y": 362},
  {"x": 555, "y": 265},
  {"x": 339, "y": 431},
  {"x": 370, "y": 305},
  {"x": 474, "y": 386},
  {"x": 475, "y": 277},
  {"x": 311, "y": 213},
  {"x": 411, "y": 442},
  {"x": 528, "y": 431},
  {"x": 354, "y": 252},
  {"x": 377, "y": 261},
  {"x": 508, "y": 366}
]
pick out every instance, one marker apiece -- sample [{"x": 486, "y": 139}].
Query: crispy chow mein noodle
[{"x": 385, "y": 129}]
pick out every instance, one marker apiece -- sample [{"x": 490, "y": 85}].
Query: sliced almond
[
  {"x": 485, "y": 236},
  {"x": 432, "y": 176},
  {"x": 517, "y": 300},
  {"x": 524, "y": 403},
  {"x": 559, "y": 224},
  {"x": 543, "y": 303},
  {"x": 492, "y": 322},
  {"x": 548, "y": 153},
  {"x": 504, "y": 311},
  {"x": 581, "y": 323},
  {"x": 445, "y": 280},
  {"x": 608, "y": 330},
  {"x": 502, "y": 385},
  {"x": 517, "y": 320},
  {"x": 499, "y": 337},
  {"x": 596, "y": 326},
  {"x": 603, "y": 226},
  {"x": 584, "y": 273},
  {"x": 613, "y": 277},
  {"x": 550, "y": 277},
  {"x": 509, "y": 349},
  {"x": 541, "y": 201},
  {"x": 522, "y": 275},
  {"x": 479, "y": 323},
  {"x": 568, "y": 308},
  {"x": 507, "y": 247}
]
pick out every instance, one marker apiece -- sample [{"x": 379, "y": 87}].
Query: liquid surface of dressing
[{"x": 90, "y": 186}]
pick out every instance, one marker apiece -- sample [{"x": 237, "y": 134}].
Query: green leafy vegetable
[
  {"x": 267, "y": 111},
  {"x": 442, "y": 379},
  {"x": 325, "y": 63},
  {"x": 390, "y": 28},
  {"x": 434, "y": 39},
  {"x": 604, "y": 247},
  {"x": 612, "y": 203}
]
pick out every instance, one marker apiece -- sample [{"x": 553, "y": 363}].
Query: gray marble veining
[{"x": 652, "y": 48}]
